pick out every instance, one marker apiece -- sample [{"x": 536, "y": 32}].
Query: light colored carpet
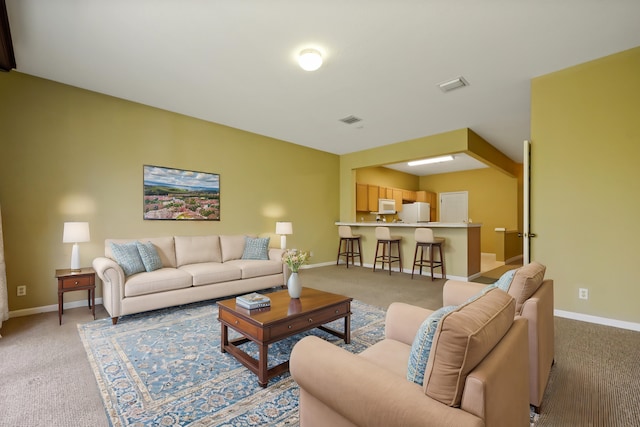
[{"x": 46, "y": 380}]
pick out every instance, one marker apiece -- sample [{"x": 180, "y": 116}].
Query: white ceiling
[{"x": 233, "y": 61}]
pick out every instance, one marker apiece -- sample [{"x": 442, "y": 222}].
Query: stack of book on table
[{"x": 253, "y": 300}]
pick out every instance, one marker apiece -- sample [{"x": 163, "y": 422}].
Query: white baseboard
[
  {"x": 48, "y": 308},
  {"x": 598, "y": 320}
]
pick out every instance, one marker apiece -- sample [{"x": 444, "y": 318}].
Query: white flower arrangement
[{"x": 294, "y": 259}]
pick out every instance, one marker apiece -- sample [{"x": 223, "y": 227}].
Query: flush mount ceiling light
[
  {"x": 431, "y": 160},
  {"x": 310, "y": 59},
  {"x": 450, "y": 85}
]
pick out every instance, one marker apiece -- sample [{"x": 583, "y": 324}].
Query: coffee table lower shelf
[{"x": 276, "y": 329}]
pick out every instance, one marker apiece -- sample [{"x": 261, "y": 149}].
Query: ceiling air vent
[
  {"x": 453, "y": 84},
  {"x": 351, "y": 120}
]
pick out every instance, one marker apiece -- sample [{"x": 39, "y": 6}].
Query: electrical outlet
[
  {"x": 583, "y": 293},
  {"x": 311, "y": 254},
  {"x": 22, "y": 290}
]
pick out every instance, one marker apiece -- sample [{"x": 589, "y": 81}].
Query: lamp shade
[
  {"x": 283, "y": 228},
  {"x": 75, "y": 232}
]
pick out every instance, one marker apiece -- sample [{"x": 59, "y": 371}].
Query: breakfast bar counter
[{"x": 461, "y": 247}]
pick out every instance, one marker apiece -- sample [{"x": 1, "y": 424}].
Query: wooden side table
[{"x": 69, "y": 280}]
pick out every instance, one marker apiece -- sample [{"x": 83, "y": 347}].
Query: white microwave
[{"x": 386, "y": 206}]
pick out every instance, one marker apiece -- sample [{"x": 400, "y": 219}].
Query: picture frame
[{"x": 180, "y": 194}]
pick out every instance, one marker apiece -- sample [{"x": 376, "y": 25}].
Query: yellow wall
[
  {"x": 386, "y": 177},
  {"x": 68, "y": 154},
  {"x": 493, "y": 199},
  {"x": 585, "y": 184}
]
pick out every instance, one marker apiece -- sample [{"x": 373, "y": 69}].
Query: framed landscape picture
[{"x": 177, "y": 194}]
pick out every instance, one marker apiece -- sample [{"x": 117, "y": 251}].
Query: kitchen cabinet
[
  {"x": 362, "y": 197},
  {"x": 372, "y": 194},
  {"x": 397, "y": 196},
  {"x": 409, "y": 196}
]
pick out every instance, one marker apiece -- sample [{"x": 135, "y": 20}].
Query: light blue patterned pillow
[
  {"x": 127, "y": 255},
  {"x": 504, "y": 282},
  {"x": 256, "y": 248},
  {"x": 421, "y": 346},
  {"x": 149, "y": 256}
]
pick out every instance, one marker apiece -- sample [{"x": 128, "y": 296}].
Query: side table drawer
[{"x": 76, "y": 282}]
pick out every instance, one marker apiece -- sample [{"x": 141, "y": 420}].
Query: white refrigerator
[{"x": 415, "y": 212}]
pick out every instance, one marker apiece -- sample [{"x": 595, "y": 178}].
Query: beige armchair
[
  {"x": 534, "y": 301},
  {"x": 476, "y": 374}
]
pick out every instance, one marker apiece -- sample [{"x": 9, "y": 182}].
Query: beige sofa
[
  {"x": 534, "y": 301},
  {"x": 193, "y": 268},
  {"x": 476, "y": 374}
]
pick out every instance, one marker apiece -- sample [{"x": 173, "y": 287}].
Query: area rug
[{"x": 165, "y": 368}]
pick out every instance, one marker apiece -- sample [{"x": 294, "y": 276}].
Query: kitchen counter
[
  {"x": 461, "y": 247},
  {"x": 411, "y": 225}
]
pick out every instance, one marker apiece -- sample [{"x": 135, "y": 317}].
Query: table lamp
[
  {"x": 75, "y": 232},
  {"x": 283, "y": 228}
]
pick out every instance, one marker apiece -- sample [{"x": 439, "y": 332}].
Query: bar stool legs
[
  {"x": 387, "y": 241},
  {"x": 346, "y": 246},
  {"x": 425, "y": 240}
]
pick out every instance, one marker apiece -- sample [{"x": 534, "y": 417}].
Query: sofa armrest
[
  {"x": 498, "y": 388},
  {"x": 354, "y": 390},
  {"x": 455, "y": 292},
  {"x": 538, "y": 310},
  {"x": 403, "y": 321},
  {"x": 276, "y": 254},
  {"x": 113, "y": 279}
]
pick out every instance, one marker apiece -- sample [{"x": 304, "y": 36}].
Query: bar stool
[
  {"x": 387, "y": 240},
  {"x": 344, "y": 231},
  {"x": 424, "y": 239}
]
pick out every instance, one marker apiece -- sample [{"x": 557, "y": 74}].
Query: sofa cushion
[
  {"x": 526, "y": 281},
  {"x": 256, "y": 248},
  {"x": 128, "y": 257},
  {"x": 256, "y": 268},
  {"x": 164, "y": 279},
  {"x": 462, "y": 339},
  {"x": 389, "y": 354},
  {"x": 206, "y": 273},
  {"x": 232, "y": 247},
  {"x": 149, "y": 256},
  {"x": 196, "y": 249},
  {"x": 421, "y": 346}
]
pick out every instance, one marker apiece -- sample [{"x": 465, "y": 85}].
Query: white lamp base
[
  {"x": 75, "y": 258},
  {"x": 283, "y": 242}
]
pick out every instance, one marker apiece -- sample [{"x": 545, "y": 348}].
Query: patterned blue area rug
[{"x": 165, "y": 368}]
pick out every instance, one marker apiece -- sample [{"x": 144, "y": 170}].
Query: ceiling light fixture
[
  {"x": 450, "y": 85},
  {"x": 440, "y": 159},
  {"x": 310, "y": 59}
]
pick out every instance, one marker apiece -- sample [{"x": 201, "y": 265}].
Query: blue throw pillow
[
  {"x": 149, "y": 256},
  {"x": 128, "y": 257},
  {"x": 504, "y": 282},
  {"x": 421, "y": 346},
  {"x": 256, "y": 248}
]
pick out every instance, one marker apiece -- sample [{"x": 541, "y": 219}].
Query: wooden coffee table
[{"x": 285, "y": 317}]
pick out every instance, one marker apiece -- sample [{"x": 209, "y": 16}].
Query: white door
[{"x": 454, "y": 206}]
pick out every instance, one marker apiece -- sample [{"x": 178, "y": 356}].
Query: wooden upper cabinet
[
  {"x": 362, "y": 197},
  {"x": 421, "y": 196},
  {"x": 409, "y": 196},
  {"x": 372, "y": 192},
  {"x": 397, "y": 196}
]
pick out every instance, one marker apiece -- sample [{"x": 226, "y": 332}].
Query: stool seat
[
  {"x": 386, "y": 241},
  {"x": 347, "y": 247},
  {"x": 426, "y": 240}
]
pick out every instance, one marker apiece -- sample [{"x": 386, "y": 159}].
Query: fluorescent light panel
[{"x": 431, "y": 160}]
